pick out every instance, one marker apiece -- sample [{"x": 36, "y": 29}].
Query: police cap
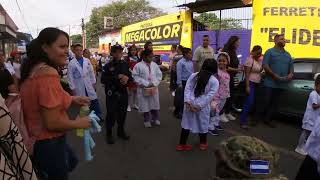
[{"x": 116, "y": 47}]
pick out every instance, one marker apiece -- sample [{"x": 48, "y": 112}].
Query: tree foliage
[
  {"x": 76, "y": 39},
  {"x": 123, "y": 12},
  {"x": 212, "y": 21}
]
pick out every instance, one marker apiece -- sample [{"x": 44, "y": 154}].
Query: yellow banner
[
  {"x": 298, "y": 19},
  {"x": 162, "y": 31}
]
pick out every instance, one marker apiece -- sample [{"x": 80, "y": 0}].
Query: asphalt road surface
[{"x": 150, "y": 154}]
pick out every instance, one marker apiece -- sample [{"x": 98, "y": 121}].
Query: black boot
[
  {"x": 122, "y": 134},
  {"x": 110, "y": 139}
]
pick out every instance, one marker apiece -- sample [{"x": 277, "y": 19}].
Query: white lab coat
[
  {"x": 312, "y": 146},
  {"x": 143, "y": 78},
  {"x": 198, "y": 122},
  {"x": 80, "y": 79},
  {"x": 311, "y": 116}
]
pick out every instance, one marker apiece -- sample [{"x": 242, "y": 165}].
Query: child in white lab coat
[
  {"x": 311, "y": 117},
  {"x": 199, "y": 92},
  {"x": 82, "y": 79}
]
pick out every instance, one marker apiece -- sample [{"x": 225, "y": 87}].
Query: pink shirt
[
  {"x": 224, "y": 90},
  {"x": 255, "y": 75}
]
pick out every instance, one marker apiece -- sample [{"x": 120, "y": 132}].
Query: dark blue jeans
[
  {"x": 248, "y": 103},
  {"x": 268, "y": 103},
  {"x": 53, "y": 158}
]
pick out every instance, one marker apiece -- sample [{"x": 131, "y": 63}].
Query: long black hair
[
  {"x": 35, "y": 53},
  {"x": 230, "y": 45},
  {"x": 208, "y": 69}
]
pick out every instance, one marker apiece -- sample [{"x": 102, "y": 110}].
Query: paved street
[{"x": 150, "y": 154}]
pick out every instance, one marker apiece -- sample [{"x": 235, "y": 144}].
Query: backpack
[{"x": 13, "y": 102}]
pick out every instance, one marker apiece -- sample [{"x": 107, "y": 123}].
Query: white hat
[{"x": 224, "y": 53}]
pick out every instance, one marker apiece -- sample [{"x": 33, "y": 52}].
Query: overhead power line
[
  {"x": 85, "y": 9},
  {"x": 22, "y": 16}
]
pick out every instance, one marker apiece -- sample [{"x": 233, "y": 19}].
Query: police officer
[{"x": 115, "y": 77}]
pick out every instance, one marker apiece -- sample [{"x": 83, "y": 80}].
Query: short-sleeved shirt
[
  {"x": 201, "y": 54},
  {"x": 5, "y": 81},
  {"x": 280, "y": 63},
  {"x": 255, "y": 69},
  {"x": 224, "y": 90},
  {"x": 36, "y": 93}
]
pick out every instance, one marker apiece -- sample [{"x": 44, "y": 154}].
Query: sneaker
[
  {"x": 301, "y": 151},
  {"x": 180, "y": 147},
  {"x": 147, "y": 124},
  {"x": 230, "y": 117},
  {"x": 214, "y": 132},
  {"x": 135, "y": 107},
  {"x": 223, "y": 118},
  {"x": 204, "y": 147},
  {"x": 219, "y": 128},
  {"x": 129, "y": 109},
  {"x": 186, "y": 147},
  {"x": 173, "y": 93},
  {"x": 157, "y": 122}
]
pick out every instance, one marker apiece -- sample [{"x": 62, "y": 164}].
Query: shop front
[{"x": 8, "y": 32}]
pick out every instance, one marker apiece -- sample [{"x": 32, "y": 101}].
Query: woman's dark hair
[
  {"x": 130, "y": 48},
  {"x": 185, "y": 51},
  {"x": 256, "y": 48},
  {"x": 230, "y": 45},
  {"x": 208, "y": 69},
  {"x": 35, "y": 53},
  {"x": 146, "y": 53},
  {"x": 147, "y": 44}
]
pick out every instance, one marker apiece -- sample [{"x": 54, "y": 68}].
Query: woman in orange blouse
[{"x": 45, "y": 104}]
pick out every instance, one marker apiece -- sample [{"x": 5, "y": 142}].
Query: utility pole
[{"x": 84, "y": 40}]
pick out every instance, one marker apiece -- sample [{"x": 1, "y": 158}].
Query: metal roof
[{"x": 201, "y": 6}]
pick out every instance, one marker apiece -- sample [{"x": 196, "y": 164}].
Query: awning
[
  {"x": 8, "y": 29},
  {"x": 6, "y": 33},
  {"x": 201, "y": 6}
]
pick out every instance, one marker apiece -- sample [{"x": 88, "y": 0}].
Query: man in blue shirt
[
  {"x": 184, "y": 71},
  {"x": 184, "y": 68},
  {"x": 278, "y": 65}
]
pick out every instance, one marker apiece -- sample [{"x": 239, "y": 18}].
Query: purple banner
[{"x": 219, "y": 38}]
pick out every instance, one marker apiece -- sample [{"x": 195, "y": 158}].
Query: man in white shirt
[
  {"x": 9, "y": 67},
  {"x": 202, "y": 53}
]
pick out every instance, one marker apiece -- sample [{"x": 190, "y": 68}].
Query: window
[{"x": 305, "y": 70}]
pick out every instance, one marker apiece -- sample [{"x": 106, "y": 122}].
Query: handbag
[
  {"x": 242, "y": 83},
  {"x": 149, "y": 91}
]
